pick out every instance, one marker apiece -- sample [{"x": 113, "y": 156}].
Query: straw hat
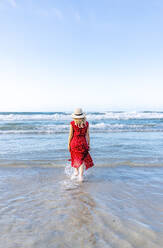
[{"x": 78, "y": 113}]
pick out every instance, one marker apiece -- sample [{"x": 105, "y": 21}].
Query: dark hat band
[{"x": 78, "y": 114}]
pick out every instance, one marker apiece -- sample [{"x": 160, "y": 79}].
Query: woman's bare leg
[
  {"x": 81, "y": 171},
  {"x": 76, "y": 173}
]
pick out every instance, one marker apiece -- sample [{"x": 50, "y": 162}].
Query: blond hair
[{"x": 80, "y": 122}]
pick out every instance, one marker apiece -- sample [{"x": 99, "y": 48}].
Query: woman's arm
[
  {"x": 87, "y": 137},
  {"x": 70, "y": 136}
]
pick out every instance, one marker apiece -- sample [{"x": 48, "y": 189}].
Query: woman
[{"x": 79, "y": 143}]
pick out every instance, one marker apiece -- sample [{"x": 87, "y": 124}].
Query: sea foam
[{"x": 90, "y": 116}]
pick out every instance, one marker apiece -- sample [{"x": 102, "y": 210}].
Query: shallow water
[{"x": 117, "y": 207}]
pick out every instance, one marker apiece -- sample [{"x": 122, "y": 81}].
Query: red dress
[{"x": 79, "y": 147}]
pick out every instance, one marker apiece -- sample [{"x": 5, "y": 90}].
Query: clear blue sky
[{"x": 95, "y": 54}]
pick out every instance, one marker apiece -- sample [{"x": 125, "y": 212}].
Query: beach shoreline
[{"x": 61, "y": 164}]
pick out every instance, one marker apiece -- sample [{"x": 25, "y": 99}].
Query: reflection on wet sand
[
  {"x": 114, "y": 208},
  {"x": 80, "y": 209}
]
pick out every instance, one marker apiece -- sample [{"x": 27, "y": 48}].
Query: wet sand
[{"x": 116, "y": 207}]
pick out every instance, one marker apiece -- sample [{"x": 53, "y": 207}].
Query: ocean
[
  {"x": 117, "y": 138},
  {"x": 118, "y": 205}
]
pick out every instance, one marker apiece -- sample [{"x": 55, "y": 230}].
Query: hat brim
[{"x": 78, "y": 116}]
